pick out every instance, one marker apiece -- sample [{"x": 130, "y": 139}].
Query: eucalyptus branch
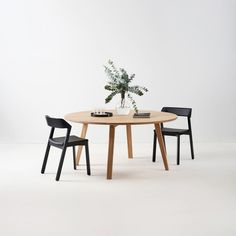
[
  {"x": 113, "y": 77},
  {"x": 137, "y": 90},
  {"x": 109, "y": 97},
  {"x": 133, "y": 103}
]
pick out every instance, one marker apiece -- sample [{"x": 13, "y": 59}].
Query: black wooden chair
[
  {"x": 186, "y": 112},
  {"x": 63, "y": 143}
]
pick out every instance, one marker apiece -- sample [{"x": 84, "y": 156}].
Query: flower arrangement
[{"x": 119, "y": 83}]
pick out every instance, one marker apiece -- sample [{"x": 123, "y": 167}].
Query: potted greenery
[{"x": 119, "y": 83}]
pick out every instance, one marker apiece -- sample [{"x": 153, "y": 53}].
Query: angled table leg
[
  {"x": 161, "y": 144},
  {"x": 110, "y": 151},
  {"x": 129, "y": 141},
  {"x": 83, "y": 134}
]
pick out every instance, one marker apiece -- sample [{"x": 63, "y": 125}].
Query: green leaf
[{"x": 109, "y": 97}]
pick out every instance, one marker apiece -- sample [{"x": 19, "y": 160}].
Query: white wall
[{"x": 52, "y": 55}]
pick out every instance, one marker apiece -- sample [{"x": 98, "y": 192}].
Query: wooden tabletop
[{"x": 86, "y": 118}]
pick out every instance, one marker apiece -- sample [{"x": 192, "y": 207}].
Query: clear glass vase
[{"x": 123, "y": 107}]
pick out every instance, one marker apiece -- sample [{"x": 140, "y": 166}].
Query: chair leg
[
  {"x": 74, "y": 158},
  {"x": 61, "y": 163},
  {"x": 191, "y": 145},
  {"x": 45, "y": 158},
  {"x": 178, "y": 149},
  {"x": 154, "y": 147},
  {"x": 87, "y": 159}
]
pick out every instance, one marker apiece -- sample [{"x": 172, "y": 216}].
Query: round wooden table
[{"x": 156, "y": 118}]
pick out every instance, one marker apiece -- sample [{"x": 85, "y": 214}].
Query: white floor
[{"x": 196, "y": 198}]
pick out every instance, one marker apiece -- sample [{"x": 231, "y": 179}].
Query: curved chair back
[
  {"x": 57, "y": 123},
  {"x": 179, "y": 111}
]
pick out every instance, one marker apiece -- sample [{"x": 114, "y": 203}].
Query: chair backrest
[
  {"x": 57, "y": 123},
  {"x": 179, "y": 111}
]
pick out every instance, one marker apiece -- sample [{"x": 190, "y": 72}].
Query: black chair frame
[
  {"x": 179, "y": 111},
  {"x": 63, "y": 143}
]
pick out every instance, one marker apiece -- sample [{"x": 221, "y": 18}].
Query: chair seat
[
  {"x": 73, "y": 141},
  {"x": 173, "y": 131}
]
